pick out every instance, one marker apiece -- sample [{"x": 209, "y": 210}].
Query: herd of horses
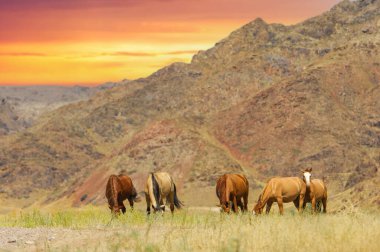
[{"x": 231, "y": 189}]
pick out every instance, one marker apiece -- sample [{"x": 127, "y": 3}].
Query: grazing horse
[
  {"x": 316, "y": 191},
  {"x": 160, "y": 185},
  {"x": 118, "y": 189},
  {"x": 281, "y": 190},
  {"x": 232, "y": 187}
]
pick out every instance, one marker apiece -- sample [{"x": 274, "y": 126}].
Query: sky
[{"x": 89, "y": 42}]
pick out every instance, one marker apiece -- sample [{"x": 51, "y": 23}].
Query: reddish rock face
[{"x": 266, "y": 101}]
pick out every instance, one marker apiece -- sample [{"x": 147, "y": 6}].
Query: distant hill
[
  {"x": 27, "y": 103},
  {"x": 266, "y": 101}
]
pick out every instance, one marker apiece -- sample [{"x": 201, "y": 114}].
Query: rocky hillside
[
  {"x": 24, "y": 104},
  {"x": 266, "y": 101}
]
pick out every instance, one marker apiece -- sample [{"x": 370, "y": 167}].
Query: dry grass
[{"x": 190, "y": 230}]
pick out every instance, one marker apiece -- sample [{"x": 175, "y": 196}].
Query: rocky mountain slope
[
  {"x": 24, "y": 104},
  {"x": 266, "y": 101}
]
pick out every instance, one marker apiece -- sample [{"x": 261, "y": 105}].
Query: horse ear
[{"x": 310, "y": 169}]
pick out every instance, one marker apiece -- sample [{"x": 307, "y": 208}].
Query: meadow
[{"x": 92, "y": 228}]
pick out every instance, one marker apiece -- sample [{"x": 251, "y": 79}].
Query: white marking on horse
[{"x": 307, "y": 176}]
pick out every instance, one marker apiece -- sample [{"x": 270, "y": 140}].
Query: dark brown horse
[
  {"x": 120, "y": 188},
  {"x": 232, "y": 187}
]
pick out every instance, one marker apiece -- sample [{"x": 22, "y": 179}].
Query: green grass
[{"x": 210, "y": 231}]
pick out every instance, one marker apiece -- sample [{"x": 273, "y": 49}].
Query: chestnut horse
[
  {"x": 281, "y": 190},
  {"x": 118, "y": 189},
  {"x": 160, "y": 185},
  {"x": 232, "y": 187},
  {"x": 316, "y": 191}
]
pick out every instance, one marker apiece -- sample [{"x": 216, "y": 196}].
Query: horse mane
[{"x": 156, "y": 190}]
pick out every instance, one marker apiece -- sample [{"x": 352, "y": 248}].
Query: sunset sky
[{"x": 90, "y": 42}]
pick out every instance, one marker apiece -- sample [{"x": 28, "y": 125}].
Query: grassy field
[{"x": 195, "y": 230}]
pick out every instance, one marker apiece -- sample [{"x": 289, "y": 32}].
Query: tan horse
[
  {"x": 316, "y": 191},
  {"x": 281, "y": 190},
  {"x": 118, "y": 189},
  {"x": 232, "y": 187},
  {"x": 159, "y": 186}
]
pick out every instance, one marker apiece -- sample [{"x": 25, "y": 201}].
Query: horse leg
[
  {"x": 301, "y": 203},
  {"x": 296, "y": 203},
  {"x": 171, "y": 200},
  {"x": 130, "y": 203},
  {"x": 269, "y": 205},
  {"x": 162, "y": 204},
  {"x": 235, "y": 205},
  {"x": 313, "y": 205},
  {"x": 123, "y": 209},
  {"x": 324, "y": 203},
  {"x": 280, "y": 205},
  {"x": 147, "y": 203},
  {"x": 245, "y": 198},
  {"x": 240, "y": 204}
]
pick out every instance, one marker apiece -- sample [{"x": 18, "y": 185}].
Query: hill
[
  {"x": 26, "y": 103},
  {"x": 266, "y": 101}
]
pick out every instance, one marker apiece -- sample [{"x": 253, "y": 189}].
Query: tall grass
[{"x": 209, "y": 231}]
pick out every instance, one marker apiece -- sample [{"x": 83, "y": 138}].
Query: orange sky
[{"x": 90, "y": 42}]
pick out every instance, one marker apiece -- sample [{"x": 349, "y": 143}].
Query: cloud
[
  {"x": 70, "y": 4},
  {"x": 145, "y": 54},
  {"x": 23, "y": 54}
]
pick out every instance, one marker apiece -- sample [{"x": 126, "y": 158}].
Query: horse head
[
  {"x": 306, "y": 176},
  {"x": 258, "y": 209},
  {"x": 226, "y": 208},
  {"x": 159, "y": 208},
  {"x": 114, "y": 209}
]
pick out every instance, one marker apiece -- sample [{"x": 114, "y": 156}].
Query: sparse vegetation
[{"x": 191, "y": 230}]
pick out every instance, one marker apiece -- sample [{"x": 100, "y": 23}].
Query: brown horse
[
  {"x": 160, "y": 185},
  {"x": 232, "y": 187},
  {"x": 316, "y": 191},
  {"x": 281, "y": 190},
  {"x": 118, "y": 189}
]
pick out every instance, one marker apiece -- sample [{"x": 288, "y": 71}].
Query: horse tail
[
  {"x": 178, "y": 204},
  {"x": 156, "y": 190}
]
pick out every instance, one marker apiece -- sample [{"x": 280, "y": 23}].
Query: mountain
[
  {"x": 27, "y": 103},
  {"x": 266, "y": 101}
]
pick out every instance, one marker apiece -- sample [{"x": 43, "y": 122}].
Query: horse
[
  {"x": 281, "y": 190},
  {"x": 118, "y": 189},
  {"x": 160, "y": 185},
  {"x": 232, "y": 187},
  {"x": 316, "y": 191}
]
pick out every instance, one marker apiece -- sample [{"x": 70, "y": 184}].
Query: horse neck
[
  {"x": 114, "y": 191},
  {"x": 227, "y": 189},
  {"x": 222, "y": 192},
  {"x": 264, "y": 196}
]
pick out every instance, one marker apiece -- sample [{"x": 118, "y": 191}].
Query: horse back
[
  {"x": 237, "y": 183},
  {"x": 128, "y": 189},
  {"x": 288, "y": 187},
  {"x": 165, "y": 182}
]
